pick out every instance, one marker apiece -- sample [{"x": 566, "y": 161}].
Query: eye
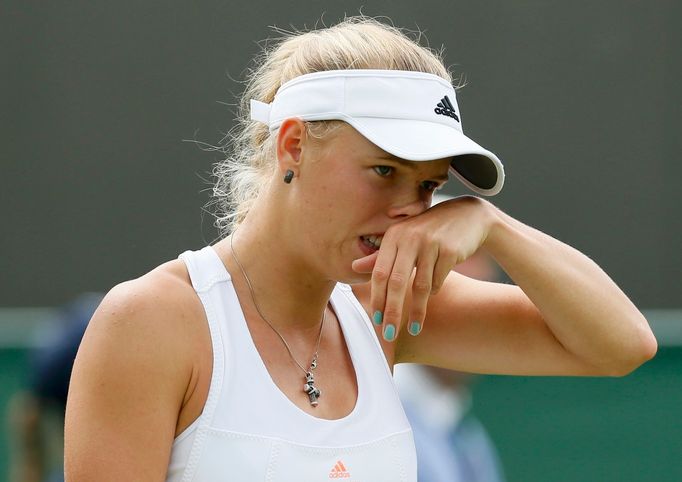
[
  {"x": 430, "y": 186},
  {"x": 383, "y": 171}
]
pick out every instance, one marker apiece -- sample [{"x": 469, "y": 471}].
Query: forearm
[{"x": 585, "y": 310}]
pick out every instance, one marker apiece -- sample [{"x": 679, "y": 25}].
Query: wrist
[{"x": 498, "y": 226}]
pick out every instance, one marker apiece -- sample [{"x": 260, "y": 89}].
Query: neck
[{"x": 286, "y": 289}]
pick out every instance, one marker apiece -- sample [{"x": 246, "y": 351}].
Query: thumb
[{"x": 366, "y": 264}]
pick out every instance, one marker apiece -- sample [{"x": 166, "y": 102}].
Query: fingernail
[
  {"x": 378, "y": 317},
  {"x": 415, "y": 327},
  {"x": 389, "y": 332}
]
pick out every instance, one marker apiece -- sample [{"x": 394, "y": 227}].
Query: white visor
[{"x": 411, "y": 115}]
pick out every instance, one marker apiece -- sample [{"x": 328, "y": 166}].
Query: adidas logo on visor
[{"x": 445, "y": 107}]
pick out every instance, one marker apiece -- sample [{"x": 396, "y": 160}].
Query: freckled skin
[{"x": 341, "y": 196}]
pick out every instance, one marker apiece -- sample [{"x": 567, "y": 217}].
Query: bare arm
[
  {"x": 582, "y": 307},
  {"x": 565, "y": 317},
  {"x": 128, "y": 383}
]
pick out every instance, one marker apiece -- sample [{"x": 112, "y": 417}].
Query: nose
[{"x": 410, "y": 207}]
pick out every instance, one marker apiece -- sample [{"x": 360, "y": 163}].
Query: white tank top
[{"x": 250, "y": 431}]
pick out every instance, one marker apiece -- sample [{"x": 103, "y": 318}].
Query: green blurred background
[{"x": 580, "y": 99}]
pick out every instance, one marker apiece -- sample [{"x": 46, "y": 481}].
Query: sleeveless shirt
[{"x": 250, "y": 431}]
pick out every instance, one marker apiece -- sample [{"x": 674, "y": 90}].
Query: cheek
[
  {"x": 358, "y": 201},
  {"x": 342, "y": 212},
  {"x": 343, "y": 200},
  {"x": 343, "y": 194}
]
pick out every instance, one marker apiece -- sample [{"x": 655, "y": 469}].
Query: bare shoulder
[
  {"x": 165, "y": 293},
  {"x": 131, "y": 377},
  {"x": 160, "y": 308}
]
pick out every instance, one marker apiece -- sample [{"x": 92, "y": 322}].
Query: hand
[{"x": 433, "y": 242}]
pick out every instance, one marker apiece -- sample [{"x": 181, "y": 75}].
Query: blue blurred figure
[
  {"x": 452, "y": 445},
  {"x": 37, "y": 413}
]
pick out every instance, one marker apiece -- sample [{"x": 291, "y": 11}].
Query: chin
[{"x": 350, "y": 277}]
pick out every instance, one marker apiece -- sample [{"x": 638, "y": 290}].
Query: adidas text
[{"x": 339, "y": 471}]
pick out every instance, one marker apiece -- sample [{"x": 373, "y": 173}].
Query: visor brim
[{"x": 413, "y": 140}]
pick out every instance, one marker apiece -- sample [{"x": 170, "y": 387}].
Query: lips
[
  {"x": 373, "y": 240},
  {"x": 370, "y": 243}
]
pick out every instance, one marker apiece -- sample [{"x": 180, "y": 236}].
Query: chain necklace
[{"x": 309, "y": 388}]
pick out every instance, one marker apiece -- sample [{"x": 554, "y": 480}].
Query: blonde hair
[{"x": 355, "y": 43}]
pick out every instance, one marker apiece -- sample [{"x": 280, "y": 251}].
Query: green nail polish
[
  {"x": 378, "y": 317},
  {"x": 389, "y": 332},
  {"x": 415, "y": 328}
]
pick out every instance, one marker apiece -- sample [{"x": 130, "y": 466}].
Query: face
[{"x": 350, "y": 191}]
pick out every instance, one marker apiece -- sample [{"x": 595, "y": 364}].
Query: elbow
[
  {"x": 649, "y": 347},
  {"x": 643, "y": 351}
]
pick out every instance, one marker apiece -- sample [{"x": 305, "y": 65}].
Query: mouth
[{"x": 371, "y": 243}]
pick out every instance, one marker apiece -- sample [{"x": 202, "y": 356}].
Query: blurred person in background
[
  {"x": 269, "y": 355},
  {"x": 452, "y": 444},
  {"x": 36, "y": 414}
]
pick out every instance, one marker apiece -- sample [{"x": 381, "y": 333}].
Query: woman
[{"x": 255, "y": 358}]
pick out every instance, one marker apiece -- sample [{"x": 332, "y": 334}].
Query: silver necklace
[{"x": 309, "y": 388}]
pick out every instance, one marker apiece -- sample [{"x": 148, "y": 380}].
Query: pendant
[{"x": 309, "y": 387}]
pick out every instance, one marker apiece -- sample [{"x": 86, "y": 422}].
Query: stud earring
[{"x": 288, "y": 176}]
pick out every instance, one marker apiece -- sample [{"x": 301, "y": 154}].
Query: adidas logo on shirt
[
  {"x": 339, "y": 471},
  {"x": 445, "y": 107}
]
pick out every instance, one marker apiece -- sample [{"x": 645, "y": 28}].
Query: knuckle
[
  {"x": 392, "y": 313},
  {"x": 380, "y": 274},
  {"x": 429, "y": 237},
  {"x": 392, "y": 230},
  {"x": 408, "y": 234},
  {"x": 421, "y": 287},
  {"x": 449, "y": 257},
  {"x": 412, "y": 236},
  {"x": 397, "y": 280},
  {"x": 447, "y": 252}
]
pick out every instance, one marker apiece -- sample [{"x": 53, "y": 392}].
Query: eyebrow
[{"x": 409, "y": 164}]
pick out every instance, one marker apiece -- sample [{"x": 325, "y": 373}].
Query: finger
[
  {"x": 444, "y": 265},
  {"x": 380, "y": 274},
  {"x": 396, "y": 289},
  {"x": 421, "y": 291},
  {"x": 365, "y": 264}
]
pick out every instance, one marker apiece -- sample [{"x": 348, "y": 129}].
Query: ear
[{"x": 290, "y": 139}]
